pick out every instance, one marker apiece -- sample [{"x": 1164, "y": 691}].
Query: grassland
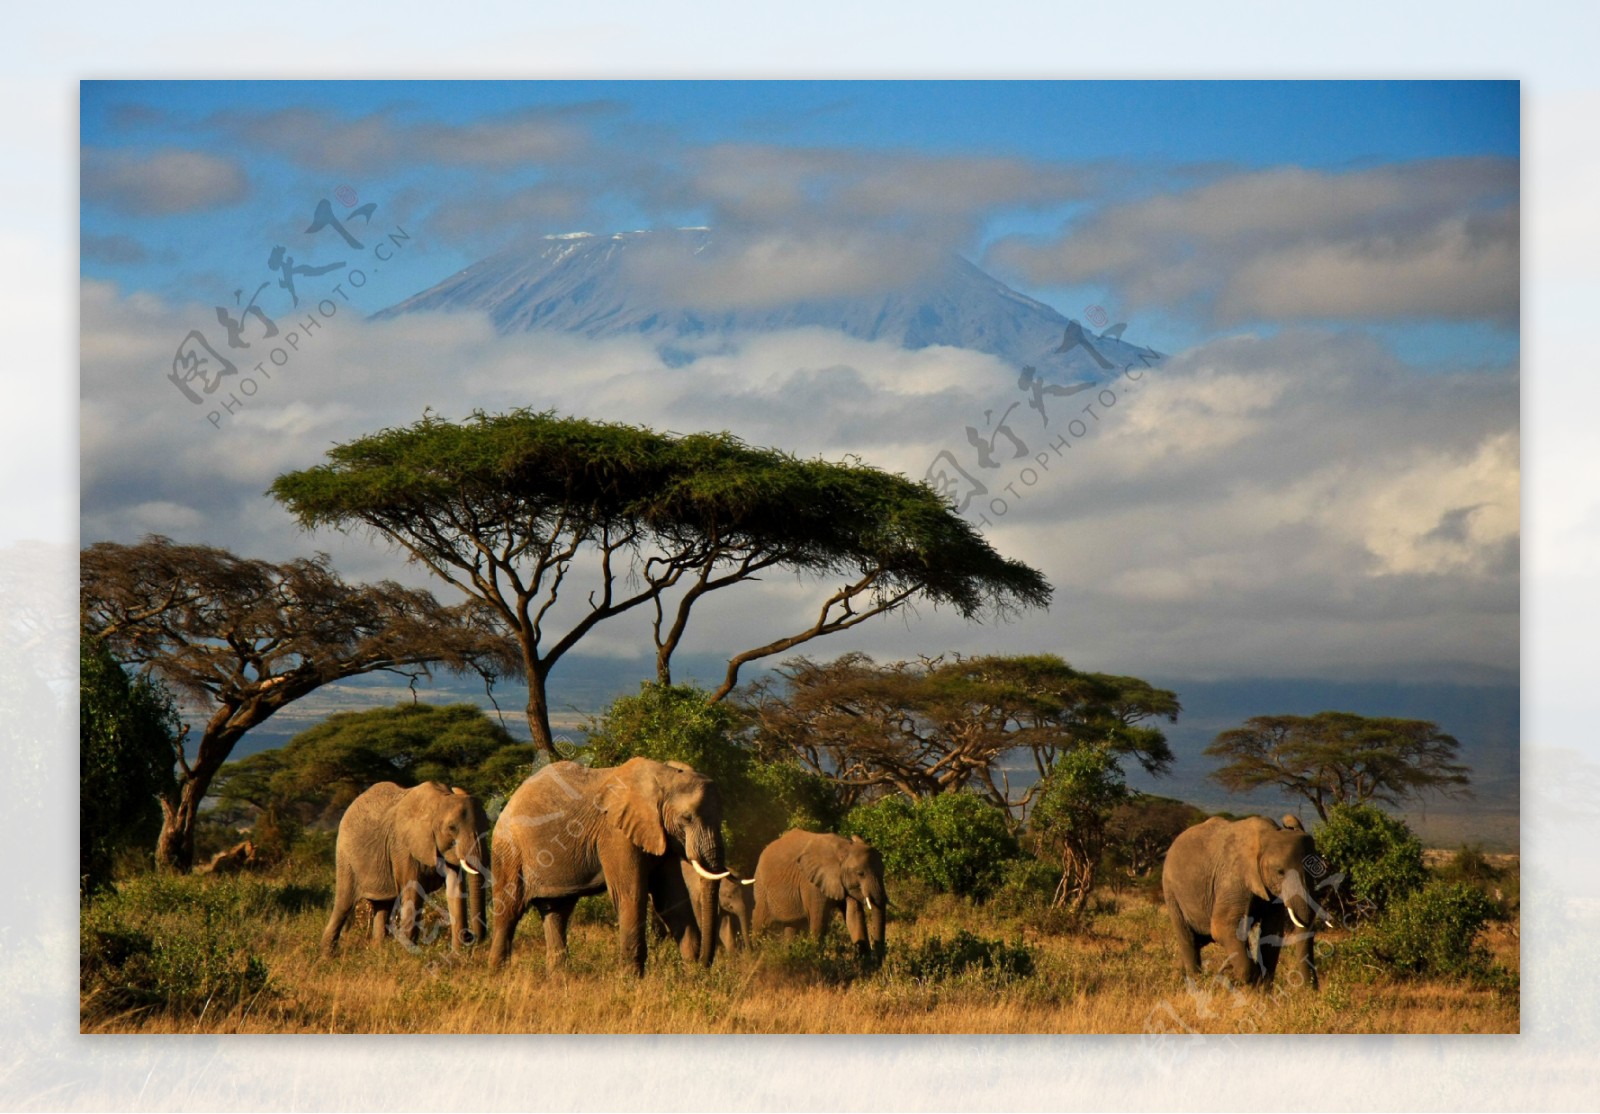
[{"x": 240, "y": 956}]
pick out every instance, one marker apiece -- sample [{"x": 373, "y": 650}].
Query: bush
[
  {"x": 936, "y": 959},
  {"x": 1433, "y": 932},
  {"x": 1027, "y": 885},
  {"x": 127, "y": 729},
  {"x": 1379, "y": 855},
  {"x": 178, "y": 943},
  {"x": 955, "y": 842}
]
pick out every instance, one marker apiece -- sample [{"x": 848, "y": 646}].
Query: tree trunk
[
  {"x": 175, "y": 847},
  {"x": 539, "y": 714}
]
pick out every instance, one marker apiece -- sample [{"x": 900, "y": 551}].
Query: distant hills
[{"x": 1485, "y": 718}]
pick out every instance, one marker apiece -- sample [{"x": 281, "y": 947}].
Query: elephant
[
  {"x": 736, "y": 903},
  {"x": 803, "y": 877},
  {"x": 1222, "y": 877},
  {"x": 570, "y": 830},
  {"x": 396, "y": 843}
]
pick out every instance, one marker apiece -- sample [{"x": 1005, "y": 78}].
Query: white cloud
[
  {"x": 160, "y": 183},
  {"x": 1301, "y": 504},
  {"x": 1436, "y": 238}
]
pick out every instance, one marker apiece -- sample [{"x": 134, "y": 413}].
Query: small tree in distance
[{"x": 1336, "y": 758}]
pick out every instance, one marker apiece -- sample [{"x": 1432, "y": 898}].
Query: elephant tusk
[
  {"x": 1292, "y": 917},
  {"x": 869, "y": 902},
  {"x": 706, "y": 874},
  {"x": 466, "y": 866},
  {"x": 747, "y": 881}
]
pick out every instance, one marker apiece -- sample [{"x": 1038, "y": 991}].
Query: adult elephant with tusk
[
  {"x": 803, "y": 878},
  {"x": 631, "y": 830},
  {"x": 399, "y": 844},
  {"x": 1224, "y": 878}
]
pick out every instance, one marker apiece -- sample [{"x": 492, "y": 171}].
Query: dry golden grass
[{"x": 1118, "y": 976}]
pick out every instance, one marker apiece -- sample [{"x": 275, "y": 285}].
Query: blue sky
[{"x": 1135, "y": 139}]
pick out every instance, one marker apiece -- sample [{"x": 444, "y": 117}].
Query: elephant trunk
[
  {"x": 456, "y": 903},
  {"x": 708, "y": 912},
  {"x": 1297, "y": 900}
]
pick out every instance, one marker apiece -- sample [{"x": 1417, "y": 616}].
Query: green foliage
[
  {"x": 677, "y": 723},
  {"x": 314, "y": 777},
  {"x": 1335, "y": 758},
  {"x": 955, "y": 842},
  {"x": 1380, "y": 856},
  {"x": 670, "y": 723},
  {"x": 1070, "y": 816},
  {"x": 1432, "y": 932},
  {"x": 127, "y": 731},
  {"x": 1027, "y": 886},
  {"x": 935, "y": 959},
  {"x": 181, "y": 943}
]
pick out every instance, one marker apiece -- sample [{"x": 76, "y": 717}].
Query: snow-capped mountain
[{"x": 583, "y": 283}]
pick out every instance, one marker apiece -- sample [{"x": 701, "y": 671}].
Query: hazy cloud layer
[
  {"x": 160, "y": 183},
  {"x": 1436, "y": 238},
  {"x": 382, "y": 141},
  {"x": 1296, "y": 505}
]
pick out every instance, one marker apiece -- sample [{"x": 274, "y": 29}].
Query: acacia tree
[
  {"x": 513, "y": 509},
  {"x": 242, "y": 638},
  {"x": 1335, "y": 758},
  {"x": 934, "y": 726}
]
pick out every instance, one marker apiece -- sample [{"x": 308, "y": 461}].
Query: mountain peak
[{"x": 631, "y": 283}]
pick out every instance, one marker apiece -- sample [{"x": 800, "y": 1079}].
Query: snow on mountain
[{"x": 578, "y": 282}]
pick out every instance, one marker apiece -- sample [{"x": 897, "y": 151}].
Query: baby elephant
[
  {"x": 802, "y": 878},
  {"x": 398, "y": 844},
  {"x": 674, "y": 907},
  {"x": 1222, "y": 878}
]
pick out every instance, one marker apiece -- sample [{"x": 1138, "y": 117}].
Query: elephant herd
[{"x": 650, "y": 834}]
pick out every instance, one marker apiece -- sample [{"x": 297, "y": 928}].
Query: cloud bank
[{"x": 1302, "y": 504}]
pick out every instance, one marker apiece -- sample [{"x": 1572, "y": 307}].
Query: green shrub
[
  {"x": 178, "y": 943},
  {"x": 955, "y": 842},
  {"x": 1380, "y": 856},
  {"x": 1027, "y": 885},
  {"x": 937, "y": 959},
  {"x": 127, "y": 727},
  {"x": 1432, "y": 932}
]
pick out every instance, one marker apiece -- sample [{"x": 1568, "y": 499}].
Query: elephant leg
[
  {"x": 790, "y": 933},
  {"x": 556, "y": 917},
  {"x": 728, "y": 934},
  {"x": 629, "y": 901},
  {"x": 507, "y": 908},
  {"x": 380, "y": 919},
  {"x": 1234, "y": 936},
  {"x": 410, "y": 903},
  {"x": 1188, "y": 946},
  {"x": 344, "y": 902},
  {"x": 817, "y": 917}
]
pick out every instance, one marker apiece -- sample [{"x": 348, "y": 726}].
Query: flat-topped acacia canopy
[{"x": 501, "y": 504}]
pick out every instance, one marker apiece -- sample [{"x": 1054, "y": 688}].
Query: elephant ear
[
  {"x": 632, "y": 800},
  {"x": 417, "y": 819},
  {"x": 820, "y": 863},
  {"x": 1254, "y": 875}
]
